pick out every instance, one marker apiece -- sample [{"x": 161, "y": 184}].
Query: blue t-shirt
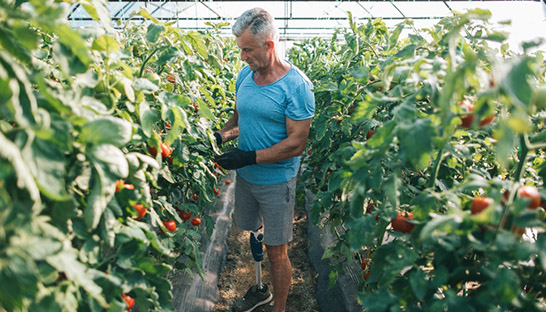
[{"x": 262, "y": 120}]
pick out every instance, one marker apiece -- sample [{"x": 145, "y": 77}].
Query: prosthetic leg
[
  {"x": 256, "y": 246},
  {"x": 258, "y": 294}
]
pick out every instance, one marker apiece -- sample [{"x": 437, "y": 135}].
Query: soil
[{"x": 239, "y": 272}]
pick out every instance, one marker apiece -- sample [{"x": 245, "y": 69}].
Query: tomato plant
[
  {"x": 421, "y": 160},
  {"x": 79, "y": 190}
]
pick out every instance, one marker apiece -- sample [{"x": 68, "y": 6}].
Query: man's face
[{"x": 254, "y": 50}]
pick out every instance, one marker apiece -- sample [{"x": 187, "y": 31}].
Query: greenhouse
[{"x": 294, "y": 156}]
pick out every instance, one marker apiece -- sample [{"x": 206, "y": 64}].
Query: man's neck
[{"x": 276, "y": 70}]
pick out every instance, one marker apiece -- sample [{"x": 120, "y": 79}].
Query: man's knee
[{"x": 277, "y": 254}]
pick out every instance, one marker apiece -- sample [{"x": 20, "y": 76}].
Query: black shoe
[{"x": 254, "y": 298}]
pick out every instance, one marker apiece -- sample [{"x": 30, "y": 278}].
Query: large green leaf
[
  {"x": 416, "y": 142},
  {"x": 49, "y": 169},
  {"x": 67, "y": 262},
  {"x": 106, "y": 130},
  {"x": 154, "y": 32},
  {"x": 11, "y": 153}
]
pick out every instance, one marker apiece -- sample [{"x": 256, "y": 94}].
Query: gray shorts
[{"x": 269, "y": 205}]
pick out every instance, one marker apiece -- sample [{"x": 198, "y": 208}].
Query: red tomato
[
  {"x": 480, "y": 203},
  {"x": 129, "y": 300},
  {"x": 195, "y": 221},
  {"x": 468, "y": 107},
  {"x": 216, "y": 191},
  {"x": 370, "y": 133},
  {"x": 228, "y": 182},
  {"x": 171, "y": 79},
  {"x": 400, "y": 223},
  {"x": 170, "y": 225},
  {"x": 184, "y": 215},
  {"x": 487, "y": 120},
  {"x": 119, "y": 185},
  {"x": 195, "y": 196},
  {"x": 140, "y": 209},
  {"x": 165, "y": 150},
  {"x": 468, "y": 119},
  {"x": 366, "y": 262},
  {"x": 153, "y": 150},
  {"x": 530, "y": 192}
]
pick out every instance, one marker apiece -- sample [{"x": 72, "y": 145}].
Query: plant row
[
  {"x": 426, "y": 157},
  {"x": 106, "y": 158}
]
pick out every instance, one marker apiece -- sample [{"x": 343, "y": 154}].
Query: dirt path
[{"x": 239, "y": 272}]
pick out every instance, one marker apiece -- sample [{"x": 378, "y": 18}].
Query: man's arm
[
  {"x": 293, "y": 145},
  {"x": 230, "y": 130}
]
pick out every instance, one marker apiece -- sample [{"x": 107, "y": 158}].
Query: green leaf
[
  {"x": 154, "y": 32},
  {"x": 168, "y": 54},
  {"x": 144, "y": 13},
  {"x": 145, "y": 86},
  {"x": 66, "y": 261},
  {"x": 105, "y": 43},
  {"x": 516, "y": 83},
  {"x": 505, "y": 285},
  {"x": 179, "y": 124},
  {"x": 416, "y": 142},
  {"x": 109, "y": 161},
  {"x": 110, "y": 165},
  {"x": 541, "y": 249},
  {"x": 203, "y": 108},
  {"x": 49, "y": 169},
  {"x": 98, "y": 10},
  {"x": 194, "y": 38},
  {"x": 418, "y": 282},
  {"x": 439, "y": 225},
  {"x": 148, "y": 117},
  {"x": 106, "y": 130},
  {"x": 332, "y": 279},
  {"x": 12, "y": 154}
]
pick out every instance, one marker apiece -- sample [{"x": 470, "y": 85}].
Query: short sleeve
[{"x": 301, "y": 103}]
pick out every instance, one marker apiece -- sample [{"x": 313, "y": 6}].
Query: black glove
[
  {"x": 218, "y": 138},
  {"x": 236, "y": 158}
]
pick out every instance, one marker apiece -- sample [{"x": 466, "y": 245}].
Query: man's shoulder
[{"x": 298, "y": 77}]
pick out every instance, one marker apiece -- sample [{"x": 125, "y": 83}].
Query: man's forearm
[
  {"x": 230, "y": 130},
  {"x": 285, "y": 149}
]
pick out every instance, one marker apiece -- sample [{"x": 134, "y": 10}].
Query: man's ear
[{"x": 270, "y": 44}]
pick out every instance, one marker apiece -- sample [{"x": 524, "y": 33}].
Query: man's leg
[{"x": 281, "y": 274}]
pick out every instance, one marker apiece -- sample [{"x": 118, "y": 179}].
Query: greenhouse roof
[{"x": 303, "y": 19}]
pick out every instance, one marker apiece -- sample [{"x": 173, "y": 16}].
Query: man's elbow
[{"x": 298, "y": 150}]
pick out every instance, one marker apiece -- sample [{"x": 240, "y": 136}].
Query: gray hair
[{"x": 258, "y": 20}]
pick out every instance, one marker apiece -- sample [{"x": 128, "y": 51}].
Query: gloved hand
[
  {"x": 218, "y": 137},
  {"x": 236, "y": 158}
]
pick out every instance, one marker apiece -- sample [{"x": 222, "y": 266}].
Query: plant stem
[
  {"x": 436, "y": 167},
  {"x": 524, "y": 149},
  {"x": 146, "y": 61}
]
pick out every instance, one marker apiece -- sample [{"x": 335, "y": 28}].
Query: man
[{"x": 272, "y": 117}]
